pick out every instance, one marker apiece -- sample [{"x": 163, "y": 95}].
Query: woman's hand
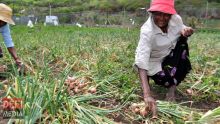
[
  {"x": 186, "y": 32},
  {"x": 18, "y": 62},
  {"x": 20, "y": 66},
  {"x": 150, "y": 101}
]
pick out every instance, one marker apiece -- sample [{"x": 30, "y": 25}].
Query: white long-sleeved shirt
[{"x": 154, "y": 45}]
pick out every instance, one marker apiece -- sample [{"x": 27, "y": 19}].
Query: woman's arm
[
  {"x": 144, "y": 82},
  {"x": 10, "y": 45},
  {"x": 13, "y": 53},
  {"x": 148, "y": 99}
]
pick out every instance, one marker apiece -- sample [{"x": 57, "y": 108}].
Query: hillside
[
  {"x": 68, "y": 6},
  {"x": 110, "y": 12}
]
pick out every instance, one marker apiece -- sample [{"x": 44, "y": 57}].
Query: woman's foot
[{"x": 170, "y": 96}]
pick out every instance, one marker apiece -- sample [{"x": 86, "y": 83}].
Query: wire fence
[
  {"x": 90, "y": 18},
  {"x": 197, "y": 18}
]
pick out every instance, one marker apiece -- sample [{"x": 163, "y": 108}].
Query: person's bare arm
[
  {"x": 148, "y": 99},
  {"x": 13, "y": 53},
  {"x": 144, "y": 83}
]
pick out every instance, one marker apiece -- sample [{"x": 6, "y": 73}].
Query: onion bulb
[
  {"x": 92, "y": 90},
  {"x": 76, "y": 90},
  {"x": 136, "y": 110},
  {"x": 134, "y": 105},
  {"x": 81, "y": 85},
  {"x": 71, "y": 86},
  {"x": 143, "y": 112},
  {"x": 71, "y": 78},
  {"x": 189, "y": 91}
]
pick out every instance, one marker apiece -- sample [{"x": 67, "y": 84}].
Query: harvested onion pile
[
  {"x": 165, "y": 111},
  {"x": 79, "y": 86},
  {"x": 143, "y": 110},
  {"x": 140, "y": 109}
]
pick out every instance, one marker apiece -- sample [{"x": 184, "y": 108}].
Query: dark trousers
[{"x": 175, "y": 66}]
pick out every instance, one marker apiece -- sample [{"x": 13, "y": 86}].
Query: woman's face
[
  {"x": 2, "y": 23},
  {"x": 161, "y": 19}
]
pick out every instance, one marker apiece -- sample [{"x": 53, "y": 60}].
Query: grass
[{"x": 104, "y": 56}]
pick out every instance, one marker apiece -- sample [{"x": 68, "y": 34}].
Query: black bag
[{"x": 175, "y": 66}]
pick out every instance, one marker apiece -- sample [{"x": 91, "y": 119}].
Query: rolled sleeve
[
  {"x": 143, "y": 52},
  {"x": 7, "y": 36},
  {"x": 177, "y": 22}
]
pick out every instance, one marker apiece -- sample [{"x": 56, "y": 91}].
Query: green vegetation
[
  {"x": 103, "y": 5},
  {"x": 79, "y": 5},
  {"x": 104, "y": 57}
]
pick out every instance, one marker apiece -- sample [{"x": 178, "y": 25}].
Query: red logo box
[{"x": 12, "y": 108}]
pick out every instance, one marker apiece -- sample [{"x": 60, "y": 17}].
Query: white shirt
[{"x": 154, "y": 45}]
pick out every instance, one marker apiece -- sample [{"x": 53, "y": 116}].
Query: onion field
[{"x": 85, "y": 76}]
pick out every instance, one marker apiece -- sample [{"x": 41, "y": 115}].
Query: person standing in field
[
  {"x": 162, "y": 52},
  {"x": 5, "y": 20}
]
